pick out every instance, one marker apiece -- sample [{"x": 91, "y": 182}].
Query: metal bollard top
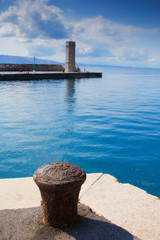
[{"x": 59, "y": 176}]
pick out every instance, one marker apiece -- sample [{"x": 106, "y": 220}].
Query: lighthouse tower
[{"x": 70, "y": 56}]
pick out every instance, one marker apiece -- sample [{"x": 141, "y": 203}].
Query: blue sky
[{"x": 117, "y": 32}]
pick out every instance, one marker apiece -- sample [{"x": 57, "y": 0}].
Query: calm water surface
[{"x": 109, "y": 125}]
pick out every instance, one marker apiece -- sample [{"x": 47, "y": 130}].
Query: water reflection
[{"x": 70, "y": 98}]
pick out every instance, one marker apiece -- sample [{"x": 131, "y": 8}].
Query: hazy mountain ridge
[{"x": 7, "y": 59}]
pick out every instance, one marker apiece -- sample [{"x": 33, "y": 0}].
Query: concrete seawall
[
  {"x": 126, "y": 206},
  {"x": 15, "y": 76}
]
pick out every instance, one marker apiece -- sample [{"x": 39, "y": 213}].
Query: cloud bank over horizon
[{"x": 38, "y": 28}]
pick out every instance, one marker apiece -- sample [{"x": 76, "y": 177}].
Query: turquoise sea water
[{"x": 109, "y": 124}]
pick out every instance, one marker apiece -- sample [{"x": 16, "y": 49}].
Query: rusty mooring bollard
[{"x": 59, "y": 184}]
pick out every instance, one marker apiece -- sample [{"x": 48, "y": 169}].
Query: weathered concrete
[
  {"x": 26, "y": 224},
  {"x": 126, "y": 206},
  {"x": 14, "y": 76},
  {"x": 19, "y": 193},
  {"x": 24, "y": 193}
]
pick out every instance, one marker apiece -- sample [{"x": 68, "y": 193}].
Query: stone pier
[{"x": 127, "y": 211}]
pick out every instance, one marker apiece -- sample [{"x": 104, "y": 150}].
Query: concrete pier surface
[
  {"x": 24, "y": 76},
  {"x": 108, "y": 210}
]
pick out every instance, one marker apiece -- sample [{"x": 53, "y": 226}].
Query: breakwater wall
[
  {"x": 30, "y": 67},
  {"x": 47, "y": 75}
]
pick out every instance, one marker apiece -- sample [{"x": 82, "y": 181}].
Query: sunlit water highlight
[{"x": 109, "y": 124}]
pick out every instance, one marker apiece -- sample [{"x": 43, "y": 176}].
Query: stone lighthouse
[{"x": 70, "y": 56}]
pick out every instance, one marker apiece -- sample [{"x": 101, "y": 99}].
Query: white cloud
[
  {"x": 33, "y": 27},
  {"x": 153, "y": 59},
  {"x": 115, "y": 43},
  {"x": 34, "y": 19},
  {"x": 13, "y": 47},
  {"x": 8, "y": 30},
  {"x": 101, "y": 29}
]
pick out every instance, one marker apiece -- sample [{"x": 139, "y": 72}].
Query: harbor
[
  {"x": 24, "y": 72},
  {"x": 46, "y": 121},
  {"x": 80, "y": 120}
]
